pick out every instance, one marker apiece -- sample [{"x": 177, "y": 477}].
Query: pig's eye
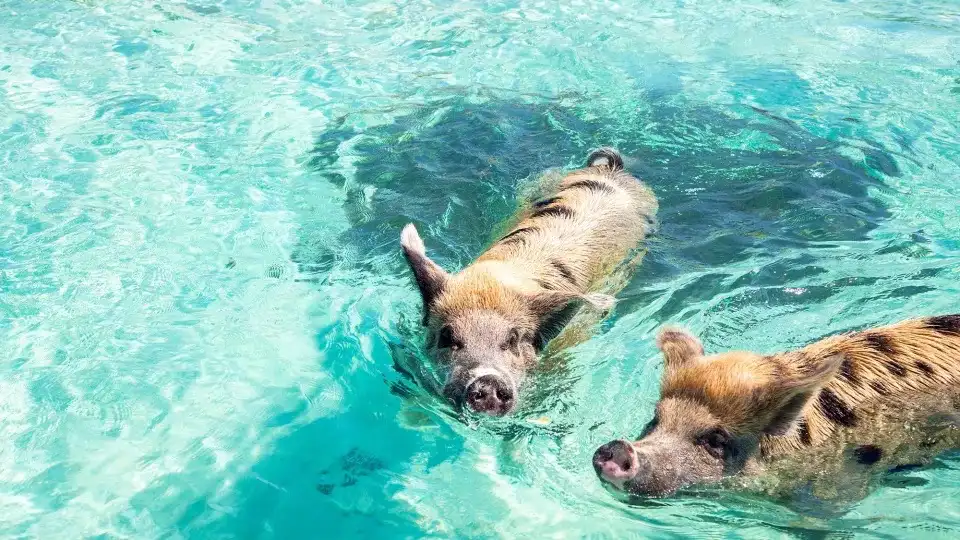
[
  {"x": 513, "y": 340},
  {"x": 446, "y": 341},
  {"x": 715, "y": 441}
]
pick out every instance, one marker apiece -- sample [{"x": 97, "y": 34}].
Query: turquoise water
[{"x": 202, "y": 300}]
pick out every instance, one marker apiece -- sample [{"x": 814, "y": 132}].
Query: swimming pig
[
  {"x": 487, "y": 324},
  {"x": 823, "y": 420}
]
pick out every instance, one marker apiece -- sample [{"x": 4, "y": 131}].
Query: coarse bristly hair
[
  {"x": 852, "y": 404},
  {"x": 837, "y": 376},
  {"x": 556, "y": 257},
  {"x": 563, "y": 245}
]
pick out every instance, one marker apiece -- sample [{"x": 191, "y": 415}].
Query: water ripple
[{"x": 207, "y": 327}]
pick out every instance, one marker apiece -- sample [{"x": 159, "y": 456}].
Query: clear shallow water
[{"x": 202, "y": 298}]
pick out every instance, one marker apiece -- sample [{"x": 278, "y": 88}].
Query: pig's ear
[
  {"x": 679, "y": 347},
  {"x": 430, "y": 278},
  {"x": 554, "y": 309},
  {"x": 790, "y": 394}
]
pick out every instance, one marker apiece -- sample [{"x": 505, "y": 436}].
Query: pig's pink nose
[
  {"x": 616, "y": 462},
  {"x": 490, "y": 395}
]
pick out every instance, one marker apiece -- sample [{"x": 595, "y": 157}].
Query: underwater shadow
[{"x": 731, "y": 183}]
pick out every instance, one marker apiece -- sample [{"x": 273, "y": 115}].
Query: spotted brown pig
[
  {"x": 488, "y": 323},
  {"x": 825, "y": 419}
]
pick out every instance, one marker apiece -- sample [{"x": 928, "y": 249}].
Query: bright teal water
[{"x": 202, "y": 297}]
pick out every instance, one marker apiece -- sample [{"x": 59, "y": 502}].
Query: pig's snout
[
  {"x": 490, "y": 394},
  {"x": 616, "y": 462}
]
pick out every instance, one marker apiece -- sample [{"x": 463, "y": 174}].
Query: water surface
[{"x": 202, "y": 301}]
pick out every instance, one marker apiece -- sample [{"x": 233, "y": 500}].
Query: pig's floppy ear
[
  {"x": 554, "y": 309},
  {"x": 791, "y": 394},
  {"x": 430, "y": 278},
  {"x": 679, "y": 347}
]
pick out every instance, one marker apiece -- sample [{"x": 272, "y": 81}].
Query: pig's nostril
[
  {"x": 490, "y": 394},
  {"x": 614, "y": 461}
]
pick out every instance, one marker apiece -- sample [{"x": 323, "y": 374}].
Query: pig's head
[
  {"x": 483, "y": 335},
  {"x": 712, "y": 413}
]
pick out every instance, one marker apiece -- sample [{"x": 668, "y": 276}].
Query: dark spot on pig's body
[
  {"x": 554, "y": 211},
  {"x": 803, "y": 432},
  {"x": 867, "y": 454},
  {"x": 925, "y": 368},
  {"x": 895, "y": 367},
  {"x": 880, "y": 343},
  {"x": 848, "y": 373},
  {"x": 835, "y": 410},
  {"x": 886, "y": 346},
  {"x": 880, "y": 388},
  {"x": 517, "y": 236},
  {"x": 564, "y": 271},
  {"x": 545, "y": 202},
  {"x": 946, "y": 324},
  {"x": 592, "y": 185}
]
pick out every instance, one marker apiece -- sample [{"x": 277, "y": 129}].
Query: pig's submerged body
[{"x": 894, "y": 435}]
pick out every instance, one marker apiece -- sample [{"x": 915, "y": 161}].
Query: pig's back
[{"x": 575, "y": 235}]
